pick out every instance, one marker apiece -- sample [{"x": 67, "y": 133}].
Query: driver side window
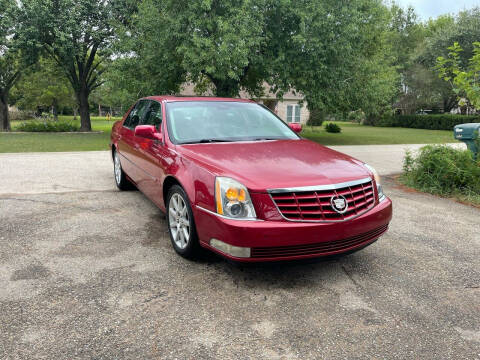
[
  {"x": 153, "y": 115},
  {"x": 136, "y": 115}
]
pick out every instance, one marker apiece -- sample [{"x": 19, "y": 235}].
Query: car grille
[
  {"x": 326, "y": 247},
  {"x": 315, "y": 205}
]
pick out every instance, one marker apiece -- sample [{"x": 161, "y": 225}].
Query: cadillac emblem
[{"x": 339, "y": 204}]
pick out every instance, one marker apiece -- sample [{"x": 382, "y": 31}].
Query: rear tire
[
  {"x": 121, "y": 179},
  {"x": 181, "y": 225}
]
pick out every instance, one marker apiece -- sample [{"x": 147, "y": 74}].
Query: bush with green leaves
[
  {"x": 19, "y": 115},
  {"x": 445, "y": 171},
  {"x": 431, "y": 122},
  {"x": 47, "y": 126},
  {"x": 316, "y": 118},
  {"x": 356, "y": 116},
  {"x": 332, "y": 128}
]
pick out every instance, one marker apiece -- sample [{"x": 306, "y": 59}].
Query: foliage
[
  {"x": 47, "y": 125},
  {"x": 44, "y": 85},
  {"x": 332, "y": 128},
  {"x": 464, "y": 28},
  {"x": 444, "y": 171},
  {"x": 16, "y": 115},
  {"x": 316, "y": 117},
  {"x": 11, "y": 61},
  {"x": 77, "y": 35},
  {"x": 464, "y": 79},
  {"x": 356, "y": 116},
  {"x": 406, "y": 34},
  {"x": 228, "y": 46},
  {"x": 340, "y": 54},
  {"x": 432, "y": 122}
]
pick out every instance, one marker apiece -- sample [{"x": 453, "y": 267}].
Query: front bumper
[{"x": 286, "y": 240}]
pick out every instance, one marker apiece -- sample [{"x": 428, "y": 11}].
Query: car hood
[{"x": 262, "y": 165}]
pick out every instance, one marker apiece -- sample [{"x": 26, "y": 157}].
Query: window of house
[{"x": 293, "y": 113}]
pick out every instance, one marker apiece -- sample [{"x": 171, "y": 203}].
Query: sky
[{"x": 432, "y": 8}]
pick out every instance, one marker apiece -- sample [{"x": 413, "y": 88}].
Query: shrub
[
  {"x": 19, "y": 115},
  {"x": 332, "y": 128},
  {"x": 47, "y": 126},
  {"x": 357, "y": 116},
  {"x": 441, "y": 170},
  {"x": 316, "y": 118},
  {"x": 431, "y": 122}
]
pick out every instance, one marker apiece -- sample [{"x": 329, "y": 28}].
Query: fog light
[{"x": 236, "y": 251}]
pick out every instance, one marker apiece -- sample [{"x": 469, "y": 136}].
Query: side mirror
[
  {"x": 147, "y": 132},
  {"x": 295, "y": 127}
]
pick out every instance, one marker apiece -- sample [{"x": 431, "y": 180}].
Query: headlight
[
  {"x": 381, "y": 195},
  {"x": 232, "y": 199}
]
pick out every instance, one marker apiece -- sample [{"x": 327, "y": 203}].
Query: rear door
[{"x": 127, "y": 143}]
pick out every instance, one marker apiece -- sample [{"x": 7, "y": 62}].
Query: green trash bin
[{"x": 468, "y": 133}]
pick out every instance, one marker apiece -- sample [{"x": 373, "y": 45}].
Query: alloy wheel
[
  {"x": 179, "y": 222},
  {"x": 117, "y": 169}
]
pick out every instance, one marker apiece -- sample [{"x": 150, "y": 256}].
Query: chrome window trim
[
  {"x": 319, "y": 188},
  {"x": 226, "y": 217}
]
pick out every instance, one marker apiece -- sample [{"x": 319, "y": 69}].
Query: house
[{"x": 292, "y": 108}]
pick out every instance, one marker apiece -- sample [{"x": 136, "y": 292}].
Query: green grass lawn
[
  {"x": 356, "y": 134},
  {"x": 352, "y": 134},
  {"x": 40, "y": 142}
]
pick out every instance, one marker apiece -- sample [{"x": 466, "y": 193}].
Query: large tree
[
  {"x": 77, "y": 35},
  {"x": 316, "y": 47},
  {"x": 171, "y": 42},
  {"x": 11, "y": 63}
]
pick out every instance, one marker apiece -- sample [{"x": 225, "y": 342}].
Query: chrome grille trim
[
  {"x": 324, "y": 210},
  {"x": 320, "y": 187}
]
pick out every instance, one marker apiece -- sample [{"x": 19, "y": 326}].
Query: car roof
[{"x": 172, "y": 98}]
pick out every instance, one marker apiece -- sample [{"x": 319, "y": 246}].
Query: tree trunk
[
  {"x": 99, "y": 110},
  {"x": 55, "y": 109},
  {"x": 4, "y": 119},
  {"x": 84, "y": 109}
]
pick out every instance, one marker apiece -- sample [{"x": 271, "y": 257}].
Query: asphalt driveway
[{"x": 88, "y": 272}]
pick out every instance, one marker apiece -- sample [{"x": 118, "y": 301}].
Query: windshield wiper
[
  {"x": 203, "y": 141},
  {"x": 265, "y": 138}
]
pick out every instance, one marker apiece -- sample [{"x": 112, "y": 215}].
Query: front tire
[
  {"x": 120, "y": 177},
  {"x": 181, "y": 225}
]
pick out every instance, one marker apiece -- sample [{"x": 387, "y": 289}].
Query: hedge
[
  {"x": 431, "y": 122},
  {"x": 47, "y": 126}
]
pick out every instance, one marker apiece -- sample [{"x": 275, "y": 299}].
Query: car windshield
[{"x": 223, "y": 121}]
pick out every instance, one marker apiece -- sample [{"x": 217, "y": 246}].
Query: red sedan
[{"x": 234, "y": 178}]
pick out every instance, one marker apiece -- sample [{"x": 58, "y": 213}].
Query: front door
[
  {"x": 127, "y": 143},
  {"x": 151, "y": 156}
]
